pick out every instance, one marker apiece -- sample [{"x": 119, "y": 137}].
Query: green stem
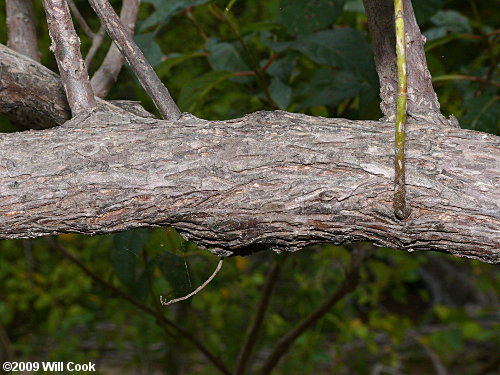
[{"x": 400, "y": 208}]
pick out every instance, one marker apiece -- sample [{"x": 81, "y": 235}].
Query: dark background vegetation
[{"x": 413, "y": 313}]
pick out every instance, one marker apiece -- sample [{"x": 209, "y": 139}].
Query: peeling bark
[{"x": 270, "y": 180}]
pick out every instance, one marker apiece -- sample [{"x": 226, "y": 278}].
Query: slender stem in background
[
  {"x": 107, "y": 74},
  {"x": 66, "y": 49},
  {"x": 143, "y": 70},
  {"x": 349, "y": 284},
  {"x": 400, "y": 207},
  {"x": 251, "y": 59},
  {"x": 255, "y": 327},
  {"x": 196, "y": 24},
  {"x": 160, "y": 317},
  {"x": 21, "y": 28},
  {"x": 461, "y": 77},
  {"x": 96, "y": 43},
  {"x": 197, "y": 290}
]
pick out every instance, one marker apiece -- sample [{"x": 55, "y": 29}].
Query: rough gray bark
[
  {"x": 21, "y": 28},
  {"x": 423, "y": 104},
  {"x": 66, "y": 49},
  {"x": 270, "y": 180}
]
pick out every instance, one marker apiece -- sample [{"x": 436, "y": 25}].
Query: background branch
[
  {"x": 107, "y": 74},
  {"x": 351, "y": 280},
  {"x": 145, "y": 73},
  {"x": 21, "y": 28},
  {"x": 254, "y": 328},
  {"x": 66, "y": 48}
]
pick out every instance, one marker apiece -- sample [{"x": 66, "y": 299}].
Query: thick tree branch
[
  {"x": 66, "y": 48},
  {"x": 107, "y": 74},
  {"x": 423, "y": 103},
  {"x": 21, "y": 28},
  {"x": 145, "y": 73},
  {"x": 269, "y": 180}
]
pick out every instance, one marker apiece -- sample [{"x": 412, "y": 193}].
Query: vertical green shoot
[{"x": 400, "y": 208}]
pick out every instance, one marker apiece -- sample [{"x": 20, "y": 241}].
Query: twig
[
  {"x": 107, "y": 74},
  {"x": 94, "y": 47},
  {"x": 161, "y": 318},
  {"x": 66, "y": 48},
  {"x": 350, "y": 282},
  {"x": 80, "y": 19},
  {"x": 448, "y": 77},
  {"x": 145, "y": 73},
  {"x": 197, "y": 290},
  {"x": 400, "y": 207},
  {"x": 21, "y": 28},
  {"x": 253, "y": 331}
]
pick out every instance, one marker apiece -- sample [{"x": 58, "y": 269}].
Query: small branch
[
  {"x": 145, "y": 73},
  {"x": 400, "y": 208},
  {"x": 97, "y": 40},
  {"x": 80, "y": 19},
  {"x": 350, "y": 283},
  {"x": 107, "y": 74},
  {"x": 253, "y": 330},
  {"x": 66, "y": 48},
  {"x": 21, "y": 28},
  {"x": 161, "y": 318},
  {"x": 197, "y": 290}
]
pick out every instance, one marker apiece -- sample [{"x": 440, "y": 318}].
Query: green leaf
[
  {"x": 125, "y": 251},
  {"x": 149, "y": 48},
  {"x": 482, "y": 113},
  {"x": 194, "y": 91},
  {"x": 330, "y": 88},
  {"x": 452, "y": 21},
  {"x": 342, "y": 48},
  {"x": 176, "y": 271},
  {"x": 283, "y": 68},
  {"x": 302, "y": 17},
  {"x": 165, "y": 10},
  {"x": 224, "y": 57},
  {"x": 426, "y": 9},
  {"x": 280, "y": 93}
]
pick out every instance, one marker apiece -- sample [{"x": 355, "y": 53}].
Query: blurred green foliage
[{"x": 410, "y": 314}]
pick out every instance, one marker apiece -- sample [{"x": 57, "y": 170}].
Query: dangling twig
[
  {"x": 197, "y": 290},
  {"x": 400, "y": 207}
]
